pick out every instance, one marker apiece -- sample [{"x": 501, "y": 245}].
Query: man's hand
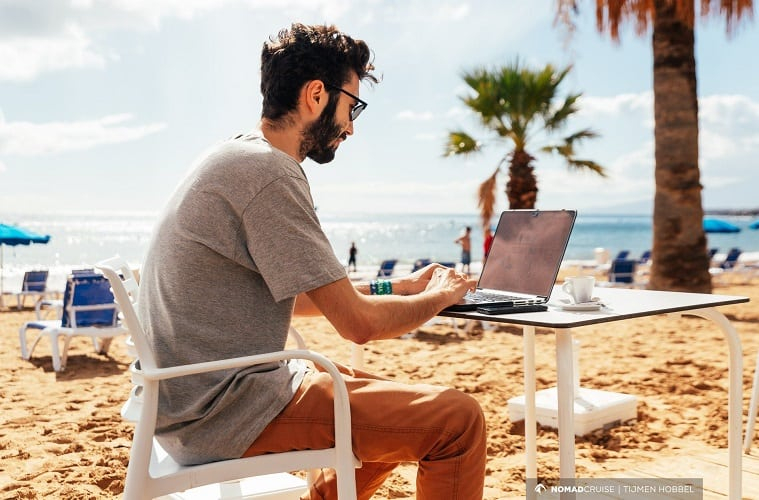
[
  {"x": 418, "y": 281},
  {"x": 448, "y": 282}
]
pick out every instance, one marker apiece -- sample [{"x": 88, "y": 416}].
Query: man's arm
[{"x": 360, "y": 317}]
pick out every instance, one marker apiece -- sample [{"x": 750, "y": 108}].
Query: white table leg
[
  {"x": 752, "y": 407},
  {"x": 735, "y": 397},
  {"x": 530, "y": 421},
  {"x": 565, "y": 390}
]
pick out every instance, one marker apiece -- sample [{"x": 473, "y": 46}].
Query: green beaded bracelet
[{"x": 380, "y": 287}]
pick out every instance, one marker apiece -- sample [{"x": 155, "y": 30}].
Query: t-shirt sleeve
[{"x": 286, "y": 242}]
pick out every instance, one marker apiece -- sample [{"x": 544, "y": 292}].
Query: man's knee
[{"x": 464, "y": 409}]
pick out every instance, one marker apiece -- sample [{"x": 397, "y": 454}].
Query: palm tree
[
  {"x": 680, "y": 260},
  {"x": 515, "y": 103}
]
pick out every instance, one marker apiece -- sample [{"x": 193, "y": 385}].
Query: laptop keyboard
[{"x": 480, "y": 296}]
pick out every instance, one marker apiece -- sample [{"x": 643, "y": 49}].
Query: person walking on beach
[
  {"x": 352, "y": 251},
  {"x": 465, "y": 240},
  {"x": 213, "y": 286}
]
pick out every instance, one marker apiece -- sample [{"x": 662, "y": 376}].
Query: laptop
[{"x": 521, "y": 269}]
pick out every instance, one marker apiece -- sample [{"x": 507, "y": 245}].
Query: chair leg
[
  {"x": 26, "y": 351},
  {"x": 60, "y": 358},
  {"x": 22, "y": 340},
  {"x": 38, "y": 310},
  {"x": 101, "y": 344},
  {"x": 752, "y": 408}
]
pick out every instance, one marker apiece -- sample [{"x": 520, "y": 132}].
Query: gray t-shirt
[{"x": 237, "y": 242}]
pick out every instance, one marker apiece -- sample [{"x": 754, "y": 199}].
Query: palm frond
[
  {"x": 486, "y": 197},
  {"x": 575, "y": 164},
  {"x": 558, "y": 117},
  {"x": 585, "y": 133},
  {"x": 566, "y": 149},
  {"x": 460, "y": 143}
]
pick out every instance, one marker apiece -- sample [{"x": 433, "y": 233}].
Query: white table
[{"x": 621, "y": 304}]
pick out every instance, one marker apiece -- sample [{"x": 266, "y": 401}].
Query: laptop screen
[{"x": 527, "y": 250}]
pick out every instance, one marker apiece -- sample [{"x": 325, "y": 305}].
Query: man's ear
[{"x": 314, "y": 97}]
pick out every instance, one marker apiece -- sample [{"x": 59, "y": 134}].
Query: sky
[{"x": 106, "y": 104}]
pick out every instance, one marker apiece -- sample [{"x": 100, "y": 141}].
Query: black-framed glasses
[{"x": 357, "y": 108}]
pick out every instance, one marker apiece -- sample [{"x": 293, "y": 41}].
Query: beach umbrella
[
  {"x": 754, "y": 225},
  {"x": 12, "y": 236},
  {"x": 720, "y": 226}
]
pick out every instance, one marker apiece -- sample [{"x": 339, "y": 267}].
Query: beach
[{"x": 61, "y": 434}]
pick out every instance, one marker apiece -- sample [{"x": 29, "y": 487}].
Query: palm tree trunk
[
  {"x": 679, "y": 254},
  {"x": 522, "y": 187}
]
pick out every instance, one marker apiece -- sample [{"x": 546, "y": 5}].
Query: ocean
[{"x": 80, "y": 240}]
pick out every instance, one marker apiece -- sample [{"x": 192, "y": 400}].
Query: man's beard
[{"x": 318, "y": 139}]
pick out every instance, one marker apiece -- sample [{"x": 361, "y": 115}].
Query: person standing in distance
[
  {"x": 352, "y": 251},
  {"x": 465, "y": 240},
  {"x": 213, "y": 287}
]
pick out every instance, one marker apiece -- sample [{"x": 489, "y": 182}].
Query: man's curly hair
[{"x": 303, "y": 53}]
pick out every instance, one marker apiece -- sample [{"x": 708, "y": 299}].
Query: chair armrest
[
  {"x": 340, "y": 401},
  {"x": 93, "y": 307},
  {"x": 226, "y": 364}
]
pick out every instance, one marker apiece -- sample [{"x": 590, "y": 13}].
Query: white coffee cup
[{"x": 580, "y": 288}]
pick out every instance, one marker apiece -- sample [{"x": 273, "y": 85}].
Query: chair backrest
[
  {"x": 622, "y": 271},
  {"x": 83, "y": 291},
  {"x": 386, "y": 268},
  {"x": 34, "y": 281},
  {"x": 622, "y": 255},
  {"x": 126, "y": 292},
  {"x": 731, "y": 259},
  {"x": 645, "y": 257}
]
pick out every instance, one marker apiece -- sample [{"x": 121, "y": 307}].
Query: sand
[{"x": 61, "y": 435}]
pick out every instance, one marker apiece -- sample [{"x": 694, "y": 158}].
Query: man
[
  {"x": 352, "y": 251},
  {"x": 465, "y": 240},
  {"x": 238, "y": 243}
]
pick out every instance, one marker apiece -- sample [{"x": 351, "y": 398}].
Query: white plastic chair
[
  {"x": 34, "y": 285},
  {"x": 152, "y": 472}
]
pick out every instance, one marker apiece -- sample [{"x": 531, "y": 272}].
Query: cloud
[
  {"x": 26, "y": 57},
  {"x": 729, "y": 111},
  {"x": 42, "y": 36},
  {"x": 618, "y": 104},
  {"x": 33, "y": 139},
  {"x": 729, "y": 129}
]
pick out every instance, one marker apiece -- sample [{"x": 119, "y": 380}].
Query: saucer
[
  {"x": 594, "y": 304},
  {"x": 584, "y": 306}
]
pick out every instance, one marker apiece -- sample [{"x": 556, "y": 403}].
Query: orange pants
[{"x": 441, "y": 429}]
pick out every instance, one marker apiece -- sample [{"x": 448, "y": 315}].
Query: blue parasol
[
  {"x": 719, "y": 226},
  {"x": 754, "y": 225},
  {"x": 12, "y": 236}
]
